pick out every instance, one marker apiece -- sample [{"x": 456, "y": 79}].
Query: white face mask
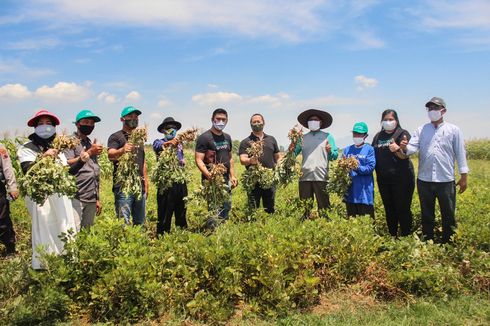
[
  {"x": 45, "y": 131},
  {"x": 314, "y": 125},
  {"x": 388, "y": 125},
  {"x": 358, "y": 140},
  {"x": 219, "y": 125},
  {"x": 435, "y": 115}
]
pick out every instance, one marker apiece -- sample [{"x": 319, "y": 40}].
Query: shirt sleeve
[
  {"x": 459, "y": 149},
  {"x": 8, "y": 171},
  {"x": 230, "y": 143},
  {"x": 370, "y": 164},
  {"x": 113, "y": 142},
  {"x": 157, "y": 146},
  {"x": 201, "y": 144},
  {"x": 244, "y": 144},
  {"x": 414, "y": 143},
  {"x": 276, "y": 147},
  {"x": 299, "y": 147},
  {"x": 334, "y": 151},
  {"x": 400, "y": 138},
  {"x": 69, "y": 153}
]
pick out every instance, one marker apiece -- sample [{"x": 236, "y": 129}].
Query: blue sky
[{"x": 184, "y": 58}]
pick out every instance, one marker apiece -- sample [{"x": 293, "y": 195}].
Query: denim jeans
[
  {"x": 127, "y": 206},
  {"x": 223, "y": 212}
]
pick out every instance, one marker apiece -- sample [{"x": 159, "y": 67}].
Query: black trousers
[
  {"x": 317, "y": 189},
  {"x": 359, "y": 209},
  {"x": 397, "y": 200},
  {"x": 445, "y": 193},
  {"x": 170, "y": 202},
  {"x": 7, "y": 233},
  {"x": 266, "y": 195}
]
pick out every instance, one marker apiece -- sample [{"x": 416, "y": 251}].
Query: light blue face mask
[
  {"x": 170, "y": 133},
  {"x": 45, "y": 131}
]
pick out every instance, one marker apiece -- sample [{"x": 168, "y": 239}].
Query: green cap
[
  {"x": 360, "y": 128},
  {"x": 86, "y": 114},
  {"x": 128, "y": 110}
]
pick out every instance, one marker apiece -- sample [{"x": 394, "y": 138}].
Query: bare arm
[
  {"x": 233, "y": 179},
  {"x": 245, "y": 160},
  {"x": 277, "y": 157},
  {"x": 199, "y": 158}
]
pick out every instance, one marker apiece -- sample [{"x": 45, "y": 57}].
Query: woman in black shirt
[{"x": 394, "y": 174}]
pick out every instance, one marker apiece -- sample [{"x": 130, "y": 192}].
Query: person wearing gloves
[
  {"x": 439, "y": 144},
  {"x": 171, "y": 201},
  {"x": 86, "y": 203},
  {"x": 8, "y": 192},
  {"x": 318, "y": 149},
  {"x": 394, "y": 174},
  {"x": 359, "y": 199},
  {"x": 55, "y": 216}
]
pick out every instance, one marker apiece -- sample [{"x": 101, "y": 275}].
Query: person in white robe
[{"x": 55, "y": 217}]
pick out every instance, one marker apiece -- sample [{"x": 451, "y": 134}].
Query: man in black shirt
[
  {"x": 268, "y": 159},
  {"x": 118, "y": 145},
  {"x": 213, "y": 147}
]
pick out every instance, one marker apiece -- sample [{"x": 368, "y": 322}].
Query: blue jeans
[
  {"x": 223, "y": 211},
  {"x": 129, "y": 205}
]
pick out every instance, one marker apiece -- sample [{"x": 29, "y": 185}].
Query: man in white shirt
[{"x": 439, "y": 144}]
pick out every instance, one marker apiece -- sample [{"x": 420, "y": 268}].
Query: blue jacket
[{"x": 362, "y": 189}]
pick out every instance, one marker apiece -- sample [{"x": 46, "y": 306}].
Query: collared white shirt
[{"x": 438, "y": 149}]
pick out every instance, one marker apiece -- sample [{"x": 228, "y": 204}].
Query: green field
[{"x": 257, "y": 269}]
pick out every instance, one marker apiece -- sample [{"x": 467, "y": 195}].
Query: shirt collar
[{"x": 253, "y": 137}]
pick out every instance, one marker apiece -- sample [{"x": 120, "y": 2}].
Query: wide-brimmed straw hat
[{"x": 325, "y": 117}]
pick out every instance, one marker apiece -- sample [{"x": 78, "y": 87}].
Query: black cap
[{"x": 169, "y": 121}]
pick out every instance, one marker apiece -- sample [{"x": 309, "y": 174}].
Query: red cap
[{"x": 43, "y": 113}]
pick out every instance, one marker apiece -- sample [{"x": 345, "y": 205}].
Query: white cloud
[
  {"x": 364, "y": 82},
  {"x": 164, "y": 103},
  {"x": 156, "y": 116},
  {"x": 329, "y": 100},
  {"x": 107, "y": 98},
  {"x": 216, "y": 98},
  {"x": 34, "y": 44},
  {"x": 63, "y": 91},
  {"x": 16, "y": 69},
  {"x": 272, "y": 100},
  {"x": 14, "y": 91},
  {"x": 289, "y": 20},
  {"x": 455, "y": 14},
  {"x": 133, "y": 96},
  {"x": 468, "y": 20},
  {"x": 365, "y": 40}
]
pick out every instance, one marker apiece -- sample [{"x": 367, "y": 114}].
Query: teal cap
[
  {"x": 87, "y": 114},
  {"x": 360, "y": 128},
  {"x": 128, "y": 110}
]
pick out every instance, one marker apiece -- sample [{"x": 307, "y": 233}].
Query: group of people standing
[{"x": 438, "y": 143}]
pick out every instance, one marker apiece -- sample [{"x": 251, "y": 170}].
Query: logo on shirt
[
  {"x": 222, "y": 145},
  {"x": 384, "y": 143}
]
